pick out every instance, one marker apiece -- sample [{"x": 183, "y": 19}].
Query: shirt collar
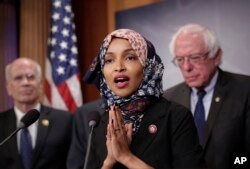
[
  {"x": 211, "y": 85},
  {"x": 20, "y": 114}
]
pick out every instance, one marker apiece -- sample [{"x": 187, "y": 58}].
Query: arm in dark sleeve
[
  {"x": 187, "y": 151},
  {"x": 78, "y": 145},
  {"x": 80, "y": 134}
]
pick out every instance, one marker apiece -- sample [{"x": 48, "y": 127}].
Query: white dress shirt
[
  {"x": 32, "y": 128},
  {"x": 207, "y": 99}
]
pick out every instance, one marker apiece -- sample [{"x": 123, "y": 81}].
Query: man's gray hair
[{"x": 211, "y": 41}]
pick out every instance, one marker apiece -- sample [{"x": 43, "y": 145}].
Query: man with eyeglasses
[
  {"x": 222, "y": 111},
  {"x": 45, "y": 143}
]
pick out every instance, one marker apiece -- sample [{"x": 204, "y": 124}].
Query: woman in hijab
[{"x": 139, "y": 129}]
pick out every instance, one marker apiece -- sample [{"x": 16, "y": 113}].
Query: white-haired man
[
  {"x": 219, "y": 100},
  {"x": 46, "y": 142}
]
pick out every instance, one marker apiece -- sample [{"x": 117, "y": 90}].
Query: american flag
[{"x": 62, "y": 77}]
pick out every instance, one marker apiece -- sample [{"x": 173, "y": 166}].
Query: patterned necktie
[
  {"x": 26, "y": 148},
  {"x": 199, "y": 116}
]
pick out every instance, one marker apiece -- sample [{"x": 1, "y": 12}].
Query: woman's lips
[
  {"x": 121, "y": 85},
  {"x": 121, "y": 81}
]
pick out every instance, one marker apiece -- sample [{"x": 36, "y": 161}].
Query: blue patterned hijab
[{"x": 133, "y": 107}]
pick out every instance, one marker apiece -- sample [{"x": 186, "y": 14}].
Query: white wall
[{"x": 230, "y": 19}]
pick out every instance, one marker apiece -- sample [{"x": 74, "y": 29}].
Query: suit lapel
[
  {"x": 99, "y": 134},
  {"x": 139, "y": 143},
  {"x": 44, "y": 125},
  {"x": 150, "y": 119},
  {"x": 8, "y": 125},
  {"x": 217, "y": 101},
  {"x": 13, "y": 141},
  {"x": 185, "y": 96}
]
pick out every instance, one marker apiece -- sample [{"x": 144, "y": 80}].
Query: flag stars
[
  {"x": 68, "y": 8},
  {"x": 65, "y": 32},
  {"x": 56, "y": 16},
  {"x": 64, "y": 45},
  {"x": 62, "y": 57},
  {"x": 73, "y": 62},
  {"x": 73, "y": 37},
  {"x": 60, "y": 70},
  {"x": 52, "y": 55},
  {"x": 66, "y": 20},
  {"x": 57, "y": 4},
  {"x": 54, "y": 29},
  {"x": 53, "y": 41},
  {"x": 74, "y": 50}
]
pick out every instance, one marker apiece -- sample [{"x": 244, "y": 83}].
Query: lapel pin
[
  {"x": 217, "y": 99},
  {"x": 152, "y": 129},
  {"x": 45, "y": 122}
]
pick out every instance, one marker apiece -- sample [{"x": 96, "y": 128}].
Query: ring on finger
[{"x": 108, "y": 136}]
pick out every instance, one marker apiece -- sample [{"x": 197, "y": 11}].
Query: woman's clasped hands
[{"x": 119, "y": 137}]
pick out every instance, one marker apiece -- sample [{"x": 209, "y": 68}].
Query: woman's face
[{"x": 122, "y": 69}]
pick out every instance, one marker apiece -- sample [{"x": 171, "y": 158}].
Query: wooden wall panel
[
  {"x": 114, "y": 6},
  {"x": 8, "y": 46},
  {"x": 91, "y": 28},
  {"x": 34, "y": 27}
]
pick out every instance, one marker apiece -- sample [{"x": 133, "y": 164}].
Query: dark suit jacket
[
  {"x": 174, "y": 144},
  {"x": 52, "y": 141},
  {"x": 81, "y": 131},
  {"x": 228, "y": 123}
]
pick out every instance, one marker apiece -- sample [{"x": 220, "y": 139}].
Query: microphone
[
  {"x": 93, "y": 120},
  {"x": 29, "y": 118}
]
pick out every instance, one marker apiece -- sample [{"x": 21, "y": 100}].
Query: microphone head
[
  {"x": 29, "y": 118},
  {"x": 93, "y": 118}
]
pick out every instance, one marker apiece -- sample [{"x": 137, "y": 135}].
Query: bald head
[
  {"x": 24, "y": 84},
  {"x": 22, "y": 61}
]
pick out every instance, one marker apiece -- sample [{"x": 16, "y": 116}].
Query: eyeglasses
[
  {"x": 192, "y": 59},
  {"x": 28, "y": 77}
]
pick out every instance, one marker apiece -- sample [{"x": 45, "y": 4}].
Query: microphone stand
[
  {"x": 11, "y": 135},
  {"x": 29, "y": 118},
  {"x": 88, "y": 147}
]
